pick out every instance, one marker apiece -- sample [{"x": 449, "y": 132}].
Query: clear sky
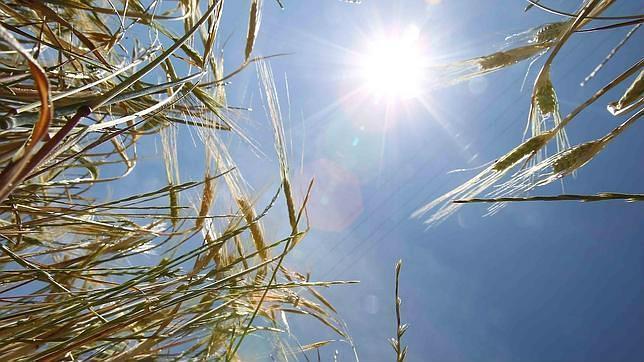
[{"x": 535, "y": 282}]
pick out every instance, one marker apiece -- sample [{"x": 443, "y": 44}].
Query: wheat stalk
[{"x": 396, "y": 343}]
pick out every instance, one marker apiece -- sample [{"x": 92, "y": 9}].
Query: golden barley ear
[{"x": 254, "y": 20}]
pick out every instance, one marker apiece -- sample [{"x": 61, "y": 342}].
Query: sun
[{"x": 392, "y": 66}]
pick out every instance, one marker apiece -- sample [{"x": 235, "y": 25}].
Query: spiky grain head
[
  {"x": 206, "y": 200},
  {"x": 526, "y": 149},
  {"x": 505, "y": 58},
  {"x": 545, "y": 97},
  {"x": 576, "y": 157},
  {"x": 549, "y": 32}
]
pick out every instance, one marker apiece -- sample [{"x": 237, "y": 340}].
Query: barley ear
[
  {"x": 574, "y": 158},
  {"x": 544, "y": 96},
  {"x": 509, "y": 57},
  {"x": 206, "y": 200},
  {"x": 519, "y": 153},
  {"x": 549, "y": 32},
  {"x": 254, "y": 20},
  {"x": 256, "y": 232}
]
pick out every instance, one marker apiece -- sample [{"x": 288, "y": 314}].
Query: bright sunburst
[{"x": 392, "y": 65}]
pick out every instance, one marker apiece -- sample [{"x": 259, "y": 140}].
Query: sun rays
[{"x": 393, "y": 65}]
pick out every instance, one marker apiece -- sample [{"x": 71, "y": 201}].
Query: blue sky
[{"x": 536, "y": 282}]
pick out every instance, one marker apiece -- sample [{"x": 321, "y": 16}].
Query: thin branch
[{"x": 603, "y": 196}]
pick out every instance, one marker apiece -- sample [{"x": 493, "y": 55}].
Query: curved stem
[
  {"x": 612, "y": 26},
  {"x": 562, "y": 13}
]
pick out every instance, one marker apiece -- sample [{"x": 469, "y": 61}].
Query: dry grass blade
[
  {"x": 155, "y": 63},
  {"x": 11, "y": 174}
]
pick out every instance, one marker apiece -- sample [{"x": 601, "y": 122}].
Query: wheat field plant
[
  {"x": 527, "y": 167},
  {"x": 180, "y": 272}
]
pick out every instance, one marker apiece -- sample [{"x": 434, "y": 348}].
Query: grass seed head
[
  {"x": 545, "y": 96},
  {"x": 549, "y": 32},
  {"x": 525, "y": 149},
  {"x": 505, "y": 58},
  {"x": 256, "y": 232},
  {"x": 576, "y": 157},
  {"x": 206, "y": 200}
]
